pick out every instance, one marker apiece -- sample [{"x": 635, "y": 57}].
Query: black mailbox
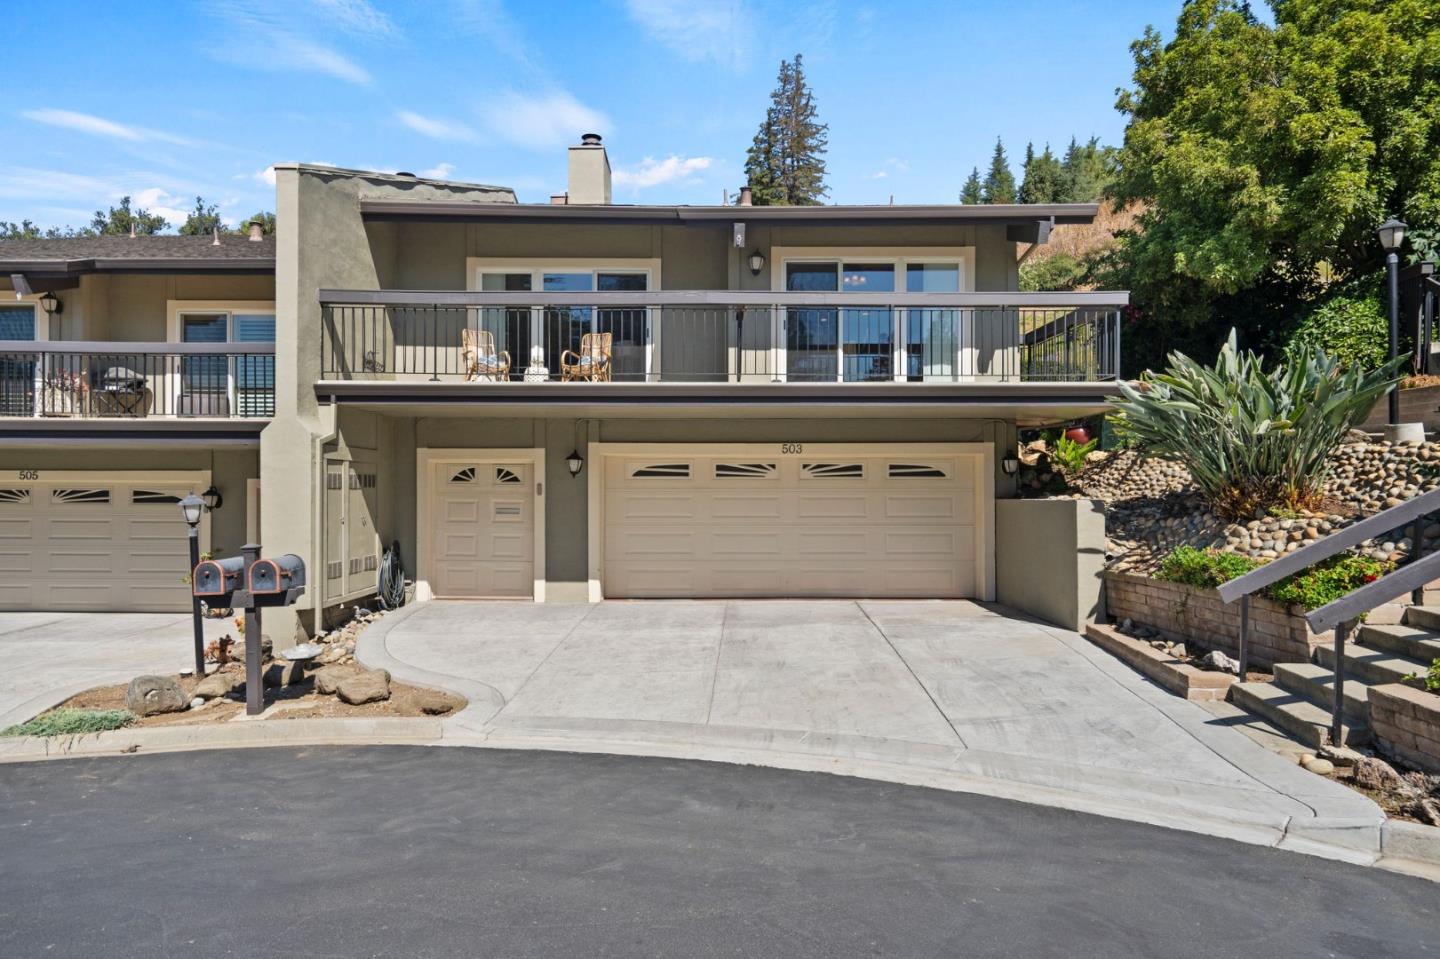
[
  {"x": 216, "y": 579},
  {"x": 281, "y": 576}
]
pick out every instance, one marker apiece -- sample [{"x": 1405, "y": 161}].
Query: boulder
[
  {"x": 328, "y": 679},
  {"x": 333, "y": 653},
  {"x": 217, "y": 685},
  {"x": 284, "y": 674},
  {"x": 1376, "y": 774},
  {"x": 151, "y": 695},
  {"x": 238, "y": 652},
  {"x": 1320, "y": 767},
  {"x": 1217, "y": 660},
  {"x": 432, "y": 703},
  {"x": 368, "y": 686}
]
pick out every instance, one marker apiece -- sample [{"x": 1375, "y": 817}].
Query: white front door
[
  {"x": 482, "y": 529},
  {"x": 794, "y": 520}
]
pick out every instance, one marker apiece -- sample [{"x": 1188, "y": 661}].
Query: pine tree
[
  {"x": 999, "y": 185},
  {"x": 785, "y": 165},
  {"x": 971, "y": 194},
  {"x": 1085, "y": 172},
  {"x": 1042, "y": 177}
]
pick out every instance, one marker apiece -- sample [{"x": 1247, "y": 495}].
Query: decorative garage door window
[
  {"x": 100, "y": 496},
  {"x": 745, "y": 470},
  {"x": 465, "y": 475},
  {"x": 833, "y": 471},
  {"x": 916, "y": 471},
  {"x": 142, "y": 497},
  {"x": 662, "y": 471},
  {"x": 14, "y": 496},
  {"x": 506, "y": 477}
]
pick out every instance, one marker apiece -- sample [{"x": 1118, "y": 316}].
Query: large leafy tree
[
  {"x": 999, "y": 184},
  {"x": 203, "y": 220},
  {"x": 121, "y": 220},
  {"x": 1264, "y": 157},
  {"x": 785, "y": 165}
]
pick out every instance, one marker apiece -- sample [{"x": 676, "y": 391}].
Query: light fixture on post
[
  {"x": 50, "y": 303},
  {"x": 575, "y": 462},
  {"x": 1392, "y": 236},
  {"x": 212, "y": 498},
  {"x": 757, "y": 262},
  {"x": 1010, "y": 464},
  {"x": 192, "y": 508}
]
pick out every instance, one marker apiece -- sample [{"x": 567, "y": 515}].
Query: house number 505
[
  {"x": 792, "y": 447},
  {"x": 29, "y": 474}
]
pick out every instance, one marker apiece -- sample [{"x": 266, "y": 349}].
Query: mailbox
[
  {"x": 216, "y": 579},
  {"x": 278, "y": 580}
]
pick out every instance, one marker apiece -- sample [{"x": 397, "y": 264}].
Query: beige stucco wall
[
  {"x": 132, "y": 307},
  {"x": 1049, "y": 558},
  {"x": 229, "y": 469}
]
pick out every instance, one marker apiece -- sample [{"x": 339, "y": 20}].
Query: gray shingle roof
[{"x": 93, "y": 253}]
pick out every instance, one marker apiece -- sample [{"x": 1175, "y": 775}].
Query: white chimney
[
  {"x": 256, "y": 231},
  {"x": 589, "y": 171}
]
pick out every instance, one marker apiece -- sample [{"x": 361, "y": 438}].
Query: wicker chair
[
  {"x": 482, "y": 361},
  {"x": 592, "y": 363}
]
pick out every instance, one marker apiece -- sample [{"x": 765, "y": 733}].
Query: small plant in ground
[
  {"x": 1431, "y": 679},
  {"x": 1327, "y": 581},
  {"x": 1205, "y": 568},
  {"x": 1070, "y": 455},
  {"x": 69, "y": 722}
]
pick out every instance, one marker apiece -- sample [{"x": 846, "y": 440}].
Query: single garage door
[
  {"x": 94, "y": 545},
  {"x": 818, "y": 522},
  {"x": 483, "y": 532}
]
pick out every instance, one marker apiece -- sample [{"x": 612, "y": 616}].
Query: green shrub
[
  {"x": 1350, "y": 325},
  {"x": 1252, "y": 438},
  {"x": 1058, "y": 272},
  {"x": 1070, "y": 455},
  {"x": 1327, "y": 581},
  {"x": 1205, "y": 568},
  {"x": 66, "y": 722}
]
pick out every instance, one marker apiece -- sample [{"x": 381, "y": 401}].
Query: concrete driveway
[
  {"x": 47, "y": 657},
  {"x": 951, "y": 694}
]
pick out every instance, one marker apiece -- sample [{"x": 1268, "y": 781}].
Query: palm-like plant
[{"x": 1252, "y": 438}]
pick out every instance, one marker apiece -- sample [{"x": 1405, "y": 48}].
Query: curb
[{"x": 372, "y": 653}]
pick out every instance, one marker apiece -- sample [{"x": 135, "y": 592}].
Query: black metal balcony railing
[
  {"x": 702, "y": 336},
  {"x": 77, "y": 379}
]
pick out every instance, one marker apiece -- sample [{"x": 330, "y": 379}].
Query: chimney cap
[
  {"x": 255, "y": 229},
  {"x": 405, "y": 173},
  {"x": 747, "y": 196},
  {"x": 590, "y": 139}
]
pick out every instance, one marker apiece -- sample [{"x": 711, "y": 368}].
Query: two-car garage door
[
  {"x": 94, "y": 543},
  {"x": 794, "y": 520}
]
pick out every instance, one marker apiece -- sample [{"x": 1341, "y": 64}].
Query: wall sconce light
[
  {"x": 757, "y": 262},
  {"x": 51, "y": 304},
  {"x": 1010, "y": 464},
  {"x": 212, "y": 498},
  {"x": 574, "y": 462}
]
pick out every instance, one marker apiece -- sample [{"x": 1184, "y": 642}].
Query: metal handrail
[
  {"x": 1342, "y": 614},
  {"x": 677, "y": 298},
  {"x": 76, "y": 347}
]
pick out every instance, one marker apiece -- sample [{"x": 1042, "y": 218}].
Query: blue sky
[{"x": 166, "y": 100}]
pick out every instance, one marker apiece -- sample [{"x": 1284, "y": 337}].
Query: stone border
[
  {"x": 1182, "y": 679},
  {"x": 1406, "y": 722},
  {"x": 1188, "y": 614}
]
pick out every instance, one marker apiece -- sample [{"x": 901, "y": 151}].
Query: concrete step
[
  {"x": 1316, "y": 684},
  {"x": 1423, "y": 617},
  {"x": 1373, "y": 666},
  {"x": 1297, "y": 716},
  {"x": 1407, "y": 642}
]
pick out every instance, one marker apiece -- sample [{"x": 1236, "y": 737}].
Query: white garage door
[
  {"x": 94, "y": 545},
  {"x": 482, "y": 532},
  {"x": 827, "y": 522}
]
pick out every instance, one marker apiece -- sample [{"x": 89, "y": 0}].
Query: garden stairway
[{"x": 1300, "y": 699}]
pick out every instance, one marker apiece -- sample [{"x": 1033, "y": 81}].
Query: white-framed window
[
  {"x": 18, "y": 373},
  {"x": 220, "y": 384},
  {"x": 819, "y": 344},
  {"x": 537, "y": 338}
]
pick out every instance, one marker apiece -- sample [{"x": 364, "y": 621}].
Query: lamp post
[
  {"x": 1392, "y": 235},
  {"x": 193, "y": 508}
]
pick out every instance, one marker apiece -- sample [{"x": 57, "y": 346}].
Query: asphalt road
[{"x": 415, "y": 852}]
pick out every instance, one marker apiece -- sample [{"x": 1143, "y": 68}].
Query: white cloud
[
  {"x": 100, "y": 127},
  {"x": 698, "y": 29},
  {"x": 282, "y": 31},
  {"x": 265, "y": 177},
  {"x": 357, "y": 16},
  {"x": 653, "y": 172},
  {"x": 490, "y": 20},
  {"x": 894, "y": 163},
  {"x": 433, "y": 128},
  {"x": 157, "y": 200},
  {"x": 440, "y": 171},
  {"x": 542, "y": 121}
]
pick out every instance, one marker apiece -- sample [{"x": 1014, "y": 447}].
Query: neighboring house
[
  {"x": 133, "y": 370},
  {"x": 584, "y": 400}
]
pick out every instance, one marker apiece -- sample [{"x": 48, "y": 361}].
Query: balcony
[
  {"x": 720, "y": 337},
  {"x": 136, "y": 381}
]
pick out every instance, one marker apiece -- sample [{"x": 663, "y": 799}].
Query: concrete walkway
[
  {"x": 948, "y": 694},
  {"x": 46, "y": 658}
]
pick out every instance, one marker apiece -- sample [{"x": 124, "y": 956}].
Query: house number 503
[{"x": 792, "y": 447}]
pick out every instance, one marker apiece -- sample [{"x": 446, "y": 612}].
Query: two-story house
[
  {"x": 133, "y": 371},
  {"x": 583, "y": 400}
]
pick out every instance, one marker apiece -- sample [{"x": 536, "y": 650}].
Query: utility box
[
  {"x": 217, "y": 580},
  {"x": 277, "y": 576}
]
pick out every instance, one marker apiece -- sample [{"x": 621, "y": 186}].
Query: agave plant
[{"x": 1252, "y": 438}]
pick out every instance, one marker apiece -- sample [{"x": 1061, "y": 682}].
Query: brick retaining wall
[
  {"x": 1278, "y": 634},
  {"x": 1406, "y": 722}
]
